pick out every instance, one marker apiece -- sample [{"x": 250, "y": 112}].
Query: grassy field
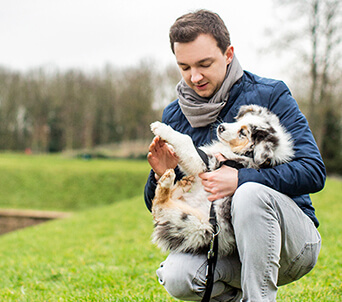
[
  {"x": 103, "y": 252},
  {"x": 50, "y": 182},
  {"x": 324, "y": 283}
]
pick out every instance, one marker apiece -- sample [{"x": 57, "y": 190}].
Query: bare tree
[
  {"x": 12, "y": 114},
  {"x": 136, "y": 97},
  {"x": 165, "y": 88},
  {"x": 54, "y": 111},
  {"x": 313, "y": 32}
]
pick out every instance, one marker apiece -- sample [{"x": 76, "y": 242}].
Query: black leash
[
  {"x": 212, "y": 255},
  {"x": 213, "y": 249}
]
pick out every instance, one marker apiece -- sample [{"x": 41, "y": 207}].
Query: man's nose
[{"x": 196, "y": 76}]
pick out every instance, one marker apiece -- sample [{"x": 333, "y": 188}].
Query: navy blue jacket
[{"x": 303, "y": 175}]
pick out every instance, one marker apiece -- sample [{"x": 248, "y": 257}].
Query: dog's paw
[
  {"x": 186, "y": 183},
  {"x": 155, "y": 127},
  {"x": 167, "y": 179},
  {"x": 188, "y": 179},
  {"x": 159, "y": 129}
]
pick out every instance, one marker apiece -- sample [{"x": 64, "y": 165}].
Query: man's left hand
[{"x": 220, "y": 183}]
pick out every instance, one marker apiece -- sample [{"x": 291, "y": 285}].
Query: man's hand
[
  {"x": 161, "y": 157},
  {"x": 220, "y": 183}
]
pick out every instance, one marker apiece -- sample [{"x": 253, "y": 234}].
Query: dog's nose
[{"x": 221, "y": 128}]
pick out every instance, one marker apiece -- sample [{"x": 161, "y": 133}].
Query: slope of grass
[
  {"x": 104, "y": 253},
  {"x": 52, "y": 182},
  {"x": 324, "y": 282}
]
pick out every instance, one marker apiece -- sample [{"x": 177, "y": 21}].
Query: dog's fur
[{"x": 181, "y": 210}]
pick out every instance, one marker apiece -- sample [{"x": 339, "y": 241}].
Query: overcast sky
[{"x": 88, "y": 34}]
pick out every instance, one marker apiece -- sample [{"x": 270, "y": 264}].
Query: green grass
[
  {"x": 53, "y": 182},
  {"x": 104, "y": 253},
  {"x": 324, "y": 283}
]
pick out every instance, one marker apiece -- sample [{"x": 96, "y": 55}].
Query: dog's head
[{"x": 258, "y": 134}]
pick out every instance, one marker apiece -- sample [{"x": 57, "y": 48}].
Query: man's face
[{"x": 202, "y": 64}]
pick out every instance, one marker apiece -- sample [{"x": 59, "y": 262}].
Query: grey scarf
[{"x": 201, "y": 112}]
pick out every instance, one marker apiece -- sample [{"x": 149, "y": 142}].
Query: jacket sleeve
[
  {"x": 306, "y": 172},
  {"x": 151, "y": 183},
  {"x": 150, "y": 189}
]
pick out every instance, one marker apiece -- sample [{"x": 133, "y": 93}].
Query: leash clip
[{"x": 211, "y": 251}]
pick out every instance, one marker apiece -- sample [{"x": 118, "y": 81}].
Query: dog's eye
[{"x": 242, "y": 133}]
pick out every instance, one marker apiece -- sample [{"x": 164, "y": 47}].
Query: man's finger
[{"x": 220, "y": 157}]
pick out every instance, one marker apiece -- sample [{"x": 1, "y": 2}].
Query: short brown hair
[{"x": 189, "y": 26}]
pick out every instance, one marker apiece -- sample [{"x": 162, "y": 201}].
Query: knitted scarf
[{"x": 200, "y": 111}]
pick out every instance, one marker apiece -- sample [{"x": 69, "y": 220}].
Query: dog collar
[
  {"x": 203, "y": 156},
  {"x": 228, "y": 162}
]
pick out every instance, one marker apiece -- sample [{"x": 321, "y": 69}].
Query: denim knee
[
  {"x": 182, "y": 275},
  {"x": 249, "y": 198}
]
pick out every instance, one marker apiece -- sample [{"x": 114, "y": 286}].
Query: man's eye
[
  {"x": 206, "y": 65},
  {"x": 185, "y": 68}
]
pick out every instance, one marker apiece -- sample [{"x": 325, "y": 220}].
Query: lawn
[
  {"x": 103, "y": 254},
  {"x": 103, "y": 251},
  {"x": 53, "y": 182},
  {"x": 324, "y": 283}
]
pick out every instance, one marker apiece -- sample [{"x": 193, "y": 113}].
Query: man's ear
[{"x": 229, "y": 54}]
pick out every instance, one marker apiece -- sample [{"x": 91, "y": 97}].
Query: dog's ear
[
  {"x": 263, "y": 154},
  {"x": 254, "y": 109},
  {"x": 265, "y": 143}
]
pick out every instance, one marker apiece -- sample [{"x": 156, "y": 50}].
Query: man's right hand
[{"x": 161, "y": 157}]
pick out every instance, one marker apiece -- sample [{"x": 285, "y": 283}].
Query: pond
[{"x": 11, "y": 220}]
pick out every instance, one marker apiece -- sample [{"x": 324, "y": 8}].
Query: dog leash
[
  {"x": 212, "y": 255},
  {"x": 213, "y": 247}
]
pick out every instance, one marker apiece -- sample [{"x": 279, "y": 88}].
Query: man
[{"x": 272, "y": 214}]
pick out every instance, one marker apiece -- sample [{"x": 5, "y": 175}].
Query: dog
[{"x": 181, "y": 210}]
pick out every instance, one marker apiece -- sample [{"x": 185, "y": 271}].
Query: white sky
[{"x": 88, "y": 34}]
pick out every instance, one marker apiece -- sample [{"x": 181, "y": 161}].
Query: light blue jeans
[{"x": 277, "y": 244}]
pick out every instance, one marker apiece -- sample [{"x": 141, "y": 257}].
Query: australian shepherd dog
[{"x": 181, "y": 210}]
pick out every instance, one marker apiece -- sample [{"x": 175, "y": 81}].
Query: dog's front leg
[{"x": 189, "y": 160}]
